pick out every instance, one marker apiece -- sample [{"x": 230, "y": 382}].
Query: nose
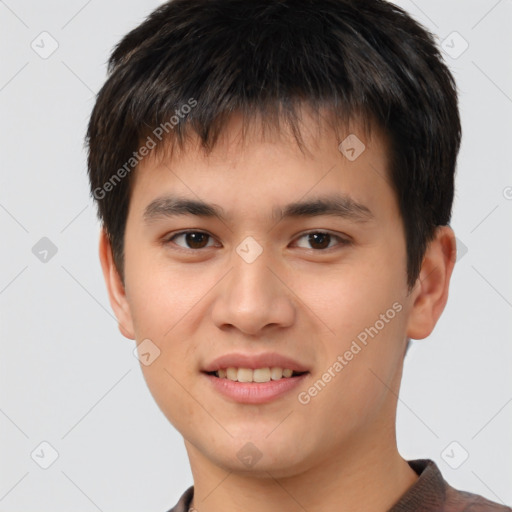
[{"x": 253, "y": 298}]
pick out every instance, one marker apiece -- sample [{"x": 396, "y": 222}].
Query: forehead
[
  {"x": 256, "y": 163},
  {"x": 302, "y": 128}
]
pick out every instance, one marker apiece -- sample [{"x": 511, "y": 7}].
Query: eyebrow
[{"x": 340, "y": 205}]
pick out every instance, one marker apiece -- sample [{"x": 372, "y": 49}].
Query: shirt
[{"x": 430, "y": 493}]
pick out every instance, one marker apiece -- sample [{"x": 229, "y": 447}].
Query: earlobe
[
  {"x": 115, "y": 287},
  {"x": 430, "y": 293}
]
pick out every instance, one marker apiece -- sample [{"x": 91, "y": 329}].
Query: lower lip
[{"x": 255, "y": 392}]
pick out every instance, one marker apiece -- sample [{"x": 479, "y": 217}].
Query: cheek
[
  {"x": 167, "y": 384},
  {"x": 364, "y": 306},
  {"x": 352, "y": 296},
  {"x": 160, "y": 294}
]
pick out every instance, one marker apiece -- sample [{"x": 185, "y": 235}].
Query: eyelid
[
  {"x": 169, "y": 239},
  {"x": 343, "y": 240}
]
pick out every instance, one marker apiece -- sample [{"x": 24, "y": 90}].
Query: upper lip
[{"x": 253, "y": 361}]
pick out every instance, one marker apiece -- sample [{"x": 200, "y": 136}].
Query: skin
[{"x": 339, "y": 451}]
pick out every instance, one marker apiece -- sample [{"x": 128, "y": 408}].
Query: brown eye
[
  {"x": 193, "y": 239},
  {"x": 320, "y": 240}
]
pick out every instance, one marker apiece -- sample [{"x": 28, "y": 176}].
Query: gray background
[{"x": 68, "y": 377}]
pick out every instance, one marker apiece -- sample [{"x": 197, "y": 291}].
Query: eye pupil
[
  {"x": 325, "y": 237},
  {"x": 194, "y": 240}
]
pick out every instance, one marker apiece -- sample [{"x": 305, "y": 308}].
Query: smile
[
  {"x": 256, "y": 375},
  {"x": 242, "y": 390}
]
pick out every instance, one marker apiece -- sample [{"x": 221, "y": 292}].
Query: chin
[{"x": 259, "y": 455}]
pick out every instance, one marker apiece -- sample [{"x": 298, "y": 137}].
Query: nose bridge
[
  {"x": 251, "y": 276},
  {"x": 252, "y": 289},
  {"x": 252, "y": 297}
]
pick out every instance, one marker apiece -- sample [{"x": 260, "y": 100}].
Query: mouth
[
  {"x": 254, "y": 378},
  {"x": 259, "y": 375},
  {"x": 255, "y": 386}
]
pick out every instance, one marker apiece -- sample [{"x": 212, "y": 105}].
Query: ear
[
  {"x": 115, "y": 288},
  {"x": 430, "y": 293}
]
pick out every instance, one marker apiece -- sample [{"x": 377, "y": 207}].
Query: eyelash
[{"x": 342, "y": 241}]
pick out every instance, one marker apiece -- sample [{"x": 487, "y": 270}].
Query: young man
[{"x": 275, "y": 182}]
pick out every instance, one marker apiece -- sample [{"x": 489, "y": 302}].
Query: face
[{"x": 304, "y": 268}]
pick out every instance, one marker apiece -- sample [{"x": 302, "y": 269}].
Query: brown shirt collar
[{"x": 430, "y": 493}]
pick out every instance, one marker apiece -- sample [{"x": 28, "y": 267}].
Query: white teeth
[
  {"x": 257, "y": 375},
  {"x": 261, "y": 375},
  {"x": 231, "y": 373},
  {"x": 244, "y": 375},
  {"x": 276, "y": 373}
]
